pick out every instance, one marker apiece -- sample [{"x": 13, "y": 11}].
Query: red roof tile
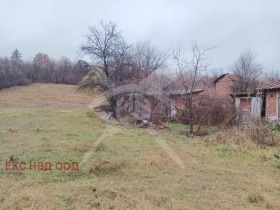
[{"x": 270, "y": 85}]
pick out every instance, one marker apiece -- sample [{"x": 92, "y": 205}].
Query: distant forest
[{"x": 16, "y": 72}]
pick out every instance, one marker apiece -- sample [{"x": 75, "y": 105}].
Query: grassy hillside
[{"x": 131, "y": 168}]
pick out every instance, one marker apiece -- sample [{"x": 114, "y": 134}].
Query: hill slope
[{"x": 44, "y": 96}]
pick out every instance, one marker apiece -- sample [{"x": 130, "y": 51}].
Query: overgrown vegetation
[
  {"x": 208, "y": 110},
  {"x": 254, "y": 133},
  {"x": 189, "y": 71}
]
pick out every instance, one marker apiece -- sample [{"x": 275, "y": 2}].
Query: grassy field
[{"x": 131, "y": 168}]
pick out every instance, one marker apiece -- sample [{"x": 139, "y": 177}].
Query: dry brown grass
[{"x": 44, "y": 96}]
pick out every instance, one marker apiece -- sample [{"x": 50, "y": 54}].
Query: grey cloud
[{"x": 56, "y": 27}]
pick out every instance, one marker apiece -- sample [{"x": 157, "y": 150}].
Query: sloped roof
[
  {"x": 155, "y": 81},
  {"x": 182, "y": 91},
  {"x": 209, "y": 92},
  {"x": 227, "y": 76},
  {"x": 176, "y": 84},
  {"x": 270, "y": 85}
]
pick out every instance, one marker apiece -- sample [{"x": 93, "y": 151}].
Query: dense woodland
[{"x": 15, "y": 72}]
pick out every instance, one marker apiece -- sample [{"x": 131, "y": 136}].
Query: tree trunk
[
  {"x": 113, "y": 103},
  {"x": 191, "y": 114}
]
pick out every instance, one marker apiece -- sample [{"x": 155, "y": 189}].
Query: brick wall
[
  {"x": 245, "y": 108},
  {"x": 223, "y": 86},
  {"x": 179, "y": 102},
  {"x": 271, "y": 104},
  {"x": 245, "y": 104}
]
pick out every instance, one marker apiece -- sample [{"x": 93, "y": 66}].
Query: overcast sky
[{"x": 56, "y": 27}]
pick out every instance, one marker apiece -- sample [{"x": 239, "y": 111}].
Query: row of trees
[{"x": 15, "y": 71}]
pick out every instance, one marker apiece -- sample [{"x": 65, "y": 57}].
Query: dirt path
[{"x": 44, "y": 96}]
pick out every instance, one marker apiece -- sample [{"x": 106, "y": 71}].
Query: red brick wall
[
  {"x": 223, "y": 87},
  {"x": 245, "y": 104},
  {"x": 179, "y": 103},
  {"x": 271, "y": 103}
]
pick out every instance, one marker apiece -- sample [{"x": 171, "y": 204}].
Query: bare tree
[
  {"x": 102, "y": 45},
  {"x": 188, "y": 73},
  {"x": 13, "y": 73},
  {"x": 271, "y": 75},
  {"x": 248, "y": 71},
  {"x": 43, "y": 68},
  {"x": 148, "y": 58},
  {"x": 107, "y": 49},
  {"x": 65, "y": 72},
  {"x": 115, "y": 62}
]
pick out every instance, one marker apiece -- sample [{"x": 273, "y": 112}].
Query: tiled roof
[
  {"x": 270, "y": 85},
  {"x": 209, "y": 92}
]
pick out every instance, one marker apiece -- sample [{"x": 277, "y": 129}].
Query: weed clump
[
  {"x": 105, "y": 167},
  {"x": 109, "y": 166},
  {"x": 255, "y": 198}
]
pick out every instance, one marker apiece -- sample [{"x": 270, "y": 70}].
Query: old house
[
  {"x": 224, "y": 83},
  {"x": 271, "y": 100},
  {"x": 177, "y": 100},
  {"x": 263, "y": 102},
  {"x": 248, "y": 105},
  {"x": 176, "y": 92},
  {"x": 220, "y": 89}
]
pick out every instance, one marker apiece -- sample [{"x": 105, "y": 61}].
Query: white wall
[{"x": 256, "y": 103}]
